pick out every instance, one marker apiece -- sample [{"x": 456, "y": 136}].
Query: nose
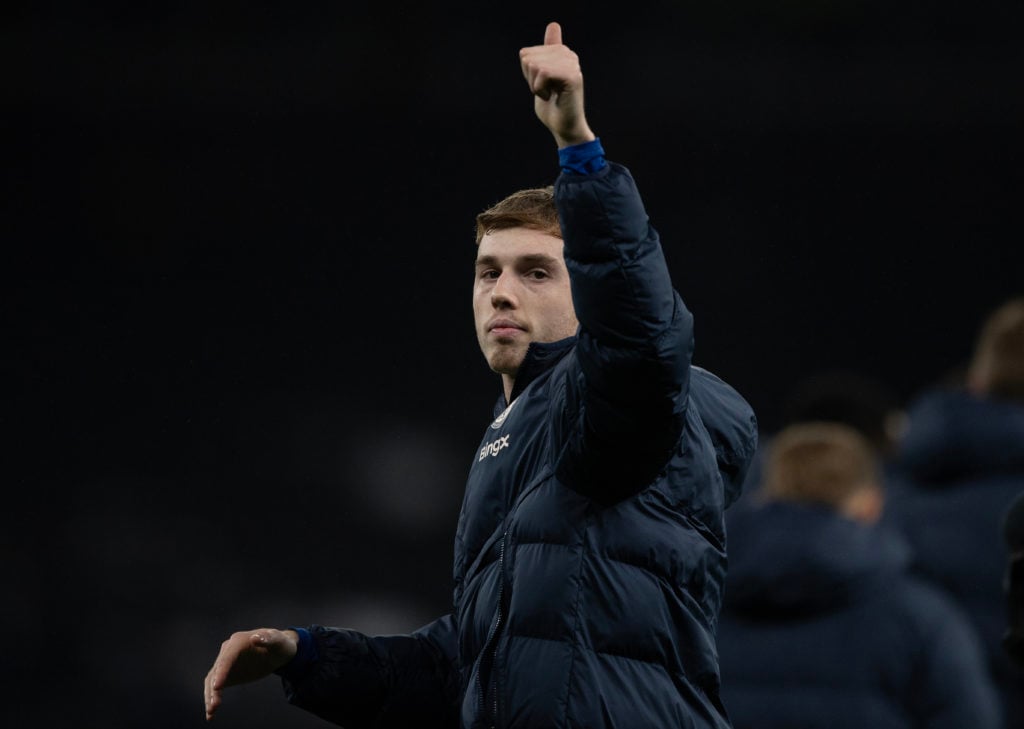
[{"x": 503, "y": 294}]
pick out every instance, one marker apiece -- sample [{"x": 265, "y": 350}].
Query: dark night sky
[{"x": 238, "y": 245}]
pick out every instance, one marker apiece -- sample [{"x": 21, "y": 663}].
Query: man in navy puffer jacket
[{"x": 590, "y": 549}]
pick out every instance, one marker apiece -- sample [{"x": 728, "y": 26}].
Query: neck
[{"x": 508, "y": 382}]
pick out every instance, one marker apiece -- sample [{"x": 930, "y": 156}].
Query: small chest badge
[{"x": 504, "y": 414}]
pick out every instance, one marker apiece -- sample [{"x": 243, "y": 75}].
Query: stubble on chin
[{"x": 505, "y": 360}]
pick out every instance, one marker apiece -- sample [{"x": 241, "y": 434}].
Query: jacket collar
[{"x": 540, "y": 357}]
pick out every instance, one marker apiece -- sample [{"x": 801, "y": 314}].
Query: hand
[
  {"x": 247, "y": 656},
  {"x": 556, "y": 80}
]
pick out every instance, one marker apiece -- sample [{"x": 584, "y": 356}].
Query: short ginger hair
[{"x": 532, "y": 208}]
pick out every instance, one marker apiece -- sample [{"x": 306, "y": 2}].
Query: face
[{"x": 521, "y": 295}]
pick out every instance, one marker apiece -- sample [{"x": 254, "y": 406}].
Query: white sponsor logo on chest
[{"x": 494, "y": 447}]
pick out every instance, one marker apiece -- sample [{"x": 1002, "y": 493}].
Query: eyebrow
[{"x": 533, "y": 259}]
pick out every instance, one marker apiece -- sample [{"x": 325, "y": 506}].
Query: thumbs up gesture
[{"x": 553, "y": 73}]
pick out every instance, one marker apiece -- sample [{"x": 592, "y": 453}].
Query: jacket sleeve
[
  {"x": 732, "y": 425},
  {"x": 384, "y": 682},
  {"x": 635, "y": 339}
]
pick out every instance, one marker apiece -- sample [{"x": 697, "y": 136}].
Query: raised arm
[{"x": 636, "y": 335}]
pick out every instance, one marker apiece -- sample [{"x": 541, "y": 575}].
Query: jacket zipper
[
  {"x": 492, "y": 640},
  {"x": 490, "y": 650}
]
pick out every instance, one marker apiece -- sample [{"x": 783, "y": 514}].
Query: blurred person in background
[
  {"x": 590, "y": 550},
  {"x": 959, "y": 466},
  {"x": 822, "y": 623}
]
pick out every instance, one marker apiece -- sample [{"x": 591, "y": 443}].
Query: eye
[
  {"x": 537, "y": 274},
  {"x": 489, "y": 274}
]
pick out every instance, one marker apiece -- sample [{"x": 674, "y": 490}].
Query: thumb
[{"x": 553, "y": 35}]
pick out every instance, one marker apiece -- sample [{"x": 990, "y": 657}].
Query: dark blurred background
[{"x": 245, "y": 387}]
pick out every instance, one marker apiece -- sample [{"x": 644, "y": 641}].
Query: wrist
[
  {"x": 576, "y": 137},
  {"x": 303, "y": 653}
]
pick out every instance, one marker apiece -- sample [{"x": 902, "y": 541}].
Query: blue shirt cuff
[
  {"x": 582, "y": 159},
  {"x": 304, "y": 657}
]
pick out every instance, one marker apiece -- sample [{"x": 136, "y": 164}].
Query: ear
[{"x": 865, "y": 505}]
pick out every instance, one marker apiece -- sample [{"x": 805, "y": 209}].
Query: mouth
[{"x": 504, "y": 328}]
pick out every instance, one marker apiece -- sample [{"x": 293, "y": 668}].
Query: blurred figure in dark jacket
[
  {"x": 822, "y": 624},
  {"x": 960, "y": 465}
]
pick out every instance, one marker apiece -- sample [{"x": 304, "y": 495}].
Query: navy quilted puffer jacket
[{"x": 590, "y": 549}]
